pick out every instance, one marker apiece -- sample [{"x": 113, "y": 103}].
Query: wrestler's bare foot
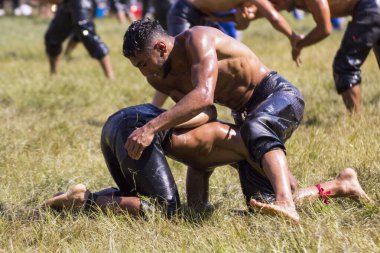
[
  {"x": 349, "y": 186},
  {"x": 74, "y": 197},
  {"x": 288, "y": 212}
]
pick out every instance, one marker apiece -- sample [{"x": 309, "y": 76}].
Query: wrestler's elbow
[
  {"x": 205, "y": 97},
  {"x": 325, "y": 30}
]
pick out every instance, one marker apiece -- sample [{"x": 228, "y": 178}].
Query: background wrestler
[
  {"x": 202, "y": 66},
  {"x": 75, "y": 17},
  {"x": 202, "y": 149},
  {"x": 362, "y": 34}
]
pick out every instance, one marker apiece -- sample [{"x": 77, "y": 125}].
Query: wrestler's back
[
  {"x": 239, "y": 69},
  {"x": 213, "y": 6},
  {"x": 338, "y": 8},
  {"x": 342, "y": 8}
]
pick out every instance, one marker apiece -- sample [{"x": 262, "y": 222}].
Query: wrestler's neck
[{"x": 175, "y": 61}]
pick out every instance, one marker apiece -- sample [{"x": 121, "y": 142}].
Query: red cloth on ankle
[{"x": 324, "y": 195}]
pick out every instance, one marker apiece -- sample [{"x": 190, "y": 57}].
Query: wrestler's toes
[{"x": 365, "y": 198}]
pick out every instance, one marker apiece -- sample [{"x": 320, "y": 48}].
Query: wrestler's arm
[
  {"x": 320, "y": 11},
  {"x": 208, "y": 115},
  {"x": 204, "y": 71},
  {"x": 266, "y": 9}
]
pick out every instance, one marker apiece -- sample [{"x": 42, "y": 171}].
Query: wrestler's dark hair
[{"x": 139, "y": 34}]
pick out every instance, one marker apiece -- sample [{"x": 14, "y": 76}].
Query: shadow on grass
[
  {"x": 375, "y": 99},
  {"x": 312, "y": 121},
  {"x": 95, "y": 122},
  {"x": 2, "y": 208},
  {"x": 198, "y": 216}
]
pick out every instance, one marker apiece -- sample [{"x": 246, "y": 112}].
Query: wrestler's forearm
[
  {"x": 210, "y": 114},
  {"x": 266, "y": 9},
  {"x": 322, "y": 18},
  {"x": 187, "y": 108},
  {"x": 316, "y": 35}
]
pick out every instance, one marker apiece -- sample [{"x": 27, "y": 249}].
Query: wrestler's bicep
[{"x": 204, "y": 61}]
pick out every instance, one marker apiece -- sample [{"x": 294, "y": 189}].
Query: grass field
[{"x": 50, "y": 129}]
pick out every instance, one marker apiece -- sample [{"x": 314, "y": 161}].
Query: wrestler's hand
[
  {"x": 243, "y": 16},
  {"x": 296, "y": 50},
  {"x": 296, "y": 55},
  {"x": 138, "y": 141}
]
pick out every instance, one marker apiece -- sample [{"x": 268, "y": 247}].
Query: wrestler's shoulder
[{"x": 203, "y": 31}]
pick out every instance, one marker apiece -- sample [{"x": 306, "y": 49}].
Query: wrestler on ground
[
  {"x": 76, "y": 16},
  {"x": 202, "y": 149},
  {"x": 362, "y": 34},
  {"x": 188, "y": 13},
  {"x": 202, "y": 66}
]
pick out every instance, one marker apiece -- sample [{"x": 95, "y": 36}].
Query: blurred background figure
[
  {"x": 229, "y": 27},
  {"x": 18, "y": 9},
  {"x": 125, "y": 10},
  {"x": 76, "y": 17},
  {"x": 158, "y": 10}
]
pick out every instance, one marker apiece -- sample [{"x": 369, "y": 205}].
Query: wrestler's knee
[
  {"x": 85, "y": 31},
  {"x": 171, "y": 204},
  {"x": 346, "y": 73},
  {"x": 259, "y": 138},
  {"x": 52, "y": 45}
]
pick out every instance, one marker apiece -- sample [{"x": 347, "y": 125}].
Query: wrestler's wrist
[{"x": 149, "y": 128}]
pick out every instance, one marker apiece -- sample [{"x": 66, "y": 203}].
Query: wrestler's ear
[{"x": 161, "y": 47}]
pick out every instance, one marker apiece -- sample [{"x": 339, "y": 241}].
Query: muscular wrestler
[
  {"x": 362, "y": 34},
  {"x": 188, "y": 13},
  {"x": 202, "y": 66},
  {"x": 76, "y": 16},
  {"x": 202, "y": 149}
]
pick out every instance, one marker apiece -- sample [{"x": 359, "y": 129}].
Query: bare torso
[
  {"x": 239, "y": 70},
  {"x": 338, "y": 8},
  {"x": 213, "y": 6}
]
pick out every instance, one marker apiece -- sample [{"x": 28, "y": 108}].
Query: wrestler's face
[{"x": 151, "y": 60}]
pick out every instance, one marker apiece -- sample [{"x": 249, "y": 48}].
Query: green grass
[{"x": 50, "y": 129}]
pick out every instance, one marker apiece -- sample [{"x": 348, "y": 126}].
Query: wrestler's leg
[
  {"x": 346, "y": 184},
  {"x": 215, "y": 144},
  {"x": 84, "y": 28},
  {"x": 78, "y": 196},
  {"x": 356, "y": 44},
  {"x": 206, "y": 146},
  {"x": 71, "y": 45},
  {"x": 59, "y": 29},
  {"x": 197, "y": 187},
  {"x": 276, "y": 169},
  {"x": 352, "y": 99},
  {"x": 265, "y": 130}
]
